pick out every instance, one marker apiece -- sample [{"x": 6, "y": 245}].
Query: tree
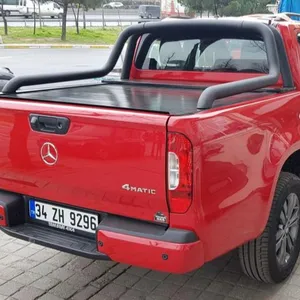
[
  {"x": 34, "y": 17},
  {"x": 84, "y": 4},
  {"x": 83, "y": 17},
  {"x": 245, "y": 7},
  {"x": 4, "y": 18},
  {"x": 76, "y": 14},
  {"x": 234, "y": 8},
  {"x": 227, "y": 7},
  {"x": 193, "y": 5},
  {"x": 40, "y": 15},
  {"x": 64, "y": 4},
  {"x": 215, "y": 6},
  {"x": 64, "y": 20},
  {"x": 38, "y": 4}
]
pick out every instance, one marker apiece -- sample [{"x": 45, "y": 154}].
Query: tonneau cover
[
  {"x": 163, "y": 99},
  {"x": 133, "y": 97}
]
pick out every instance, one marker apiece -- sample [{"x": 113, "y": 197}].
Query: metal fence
[
  {"x": 71, "y": 23},
  {"x": 93, "y": 18}
]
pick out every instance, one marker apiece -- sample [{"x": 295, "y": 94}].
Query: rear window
[{"x": 218, "y": 55}]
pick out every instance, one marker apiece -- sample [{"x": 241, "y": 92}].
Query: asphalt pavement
[
  {"x": 40, "y": 61},
  {"x": 49, "y": 61}
]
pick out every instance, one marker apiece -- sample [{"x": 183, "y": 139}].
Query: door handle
[{"x": 49, "y": 124}]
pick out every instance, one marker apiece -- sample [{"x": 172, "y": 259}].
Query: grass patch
[{"x": 45, "y": 35}]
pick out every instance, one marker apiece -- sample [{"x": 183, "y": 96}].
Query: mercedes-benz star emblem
[{"x": 49, "y": 154}]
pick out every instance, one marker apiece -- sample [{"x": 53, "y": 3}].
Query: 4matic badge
[{"x": 137, "y": 189}]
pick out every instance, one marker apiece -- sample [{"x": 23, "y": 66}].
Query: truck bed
[{"x": 152, "y": 98}]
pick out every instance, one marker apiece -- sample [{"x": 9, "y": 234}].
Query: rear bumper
[
  {"x": 149, "y": 246},
  {"x": 152, "y": 254},
  {"x": 55, "y": 239},
  {"x": 117, "y": 238}
]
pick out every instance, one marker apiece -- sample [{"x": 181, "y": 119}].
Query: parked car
[
  {"x": 113, "y": 5},
  {"x": 193, "y": 152},
  {"x": 149, "y": 11}
]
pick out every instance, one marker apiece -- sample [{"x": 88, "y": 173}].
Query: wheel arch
[{"x": 289, "y": 162}]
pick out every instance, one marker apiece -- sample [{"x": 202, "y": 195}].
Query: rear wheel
[
  {"x": 149, "y": 16},
  {"x": 60, "y": 15},
  {"x": 7, "y": 13},
  {"x": 272, "y": 256}
]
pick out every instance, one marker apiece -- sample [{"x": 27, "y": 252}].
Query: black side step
[{"x": 55, "y": 239}]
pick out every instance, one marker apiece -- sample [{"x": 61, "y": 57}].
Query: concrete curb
[{"x": 53, "y": 46}]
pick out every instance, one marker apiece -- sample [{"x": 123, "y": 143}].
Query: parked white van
[{"x": 29, "y": 8}]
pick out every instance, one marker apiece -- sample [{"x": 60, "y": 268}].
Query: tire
[
  {"x": 60, "y": 16},
  {"x": 34, "y": 14},
  {"x": 149, "y": 16},
  {"x": 259, "y": 258},
  {"x": 7, "y": 13}
]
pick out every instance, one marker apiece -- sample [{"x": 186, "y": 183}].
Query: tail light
[
  {"x": 2, "y": 216},
  {"x": 180, "y": 170}
]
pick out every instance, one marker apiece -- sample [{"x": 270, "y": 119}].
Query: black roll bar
[
  {"x": 26, "y": 80},
  {"x": 210, "y": 94},
  {"x": 285, "y": 67}
]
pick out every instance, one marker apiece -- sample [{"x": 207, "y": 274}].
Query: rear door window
[{"x": 223, "y": 55}]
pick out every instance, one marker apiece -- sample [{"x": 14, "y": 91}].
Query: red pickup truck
[{"x": 193, "y": 152}]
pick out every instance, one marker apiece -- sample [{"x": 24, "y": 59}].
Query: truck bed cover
[{"x": 152, "y": 98}]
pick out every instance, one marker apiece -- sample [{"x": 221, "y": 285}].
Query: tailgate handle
[{"x": 50, "y": 124}]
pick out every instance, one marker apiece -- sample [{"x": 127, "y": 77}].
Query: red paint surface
[
  {"x": 2, "y": 216},
  {"x": 103, "y": 150},
  {"x": 146, "y": 253},
  {"x": 238, "y": 153}
]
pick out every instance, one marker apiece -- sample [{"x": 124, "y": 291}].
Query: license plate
[{"x": 63, "y": 218}]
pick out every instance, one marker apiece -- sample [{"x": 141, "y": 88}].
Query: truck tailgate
[{"x": 110, "y": 160}]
